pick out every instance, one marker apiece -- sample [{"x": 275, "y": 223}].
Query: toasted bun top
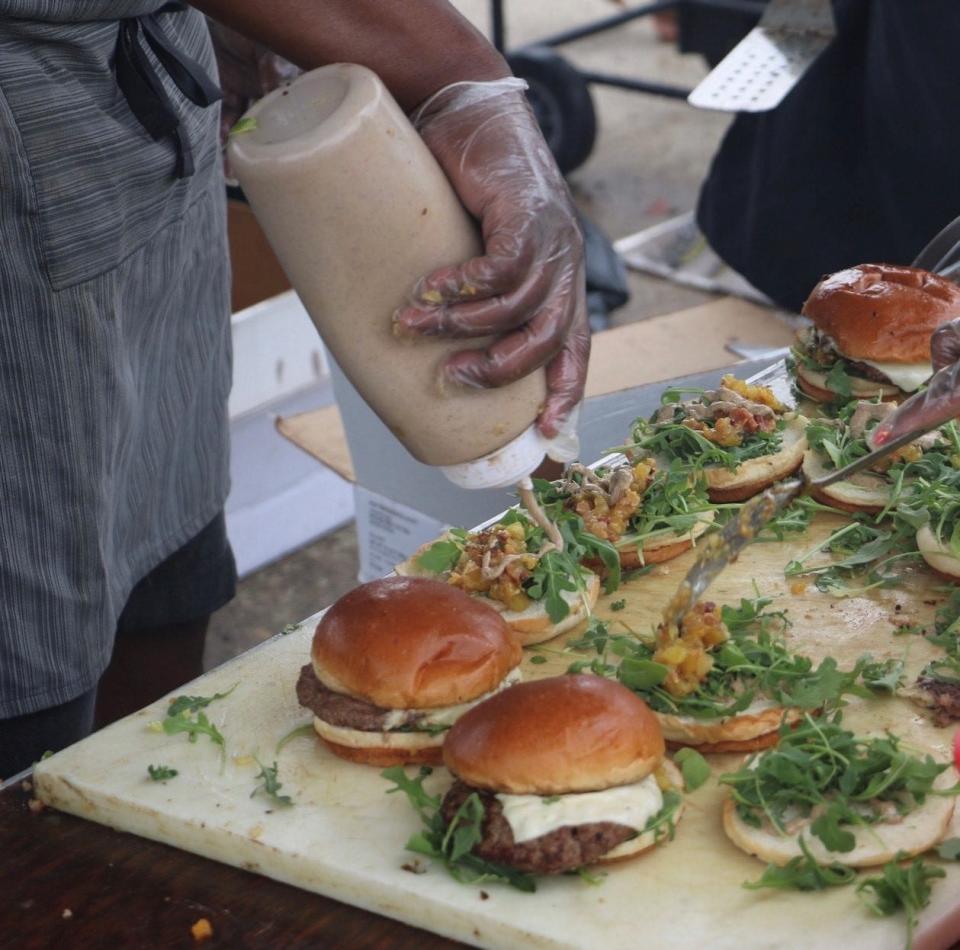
[
  {"x": 554, "y": 736},
  {"x": 412, "y": 643},
  {"x": 883, "y": 312}
]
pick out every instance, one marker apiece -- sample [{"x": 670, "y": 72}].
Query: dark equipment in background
[
  {"x": 560, "y": 97},
  {"x": 559, "y": 91}
]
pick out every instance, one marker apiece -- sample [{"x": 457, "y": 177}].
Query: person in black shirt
[{"x": 859, "y": 163}]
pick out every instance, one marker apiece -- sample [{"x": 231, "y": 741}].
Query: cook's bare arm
[
  {"x": 415, "y": 48},
  {"x": 528, "y": 287}
]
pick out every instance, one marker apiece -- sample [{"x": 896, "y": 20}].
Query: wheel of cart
[
  {"x": 560, "y": 92},
  {"x": 561, "y": 101}
]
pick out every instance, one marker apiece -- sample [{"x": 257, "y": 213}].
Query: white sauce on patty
[
  {"x": 531, "y": 816},
  {"x": 908, "y": 376},
  {"x": 447, "y": 715}
]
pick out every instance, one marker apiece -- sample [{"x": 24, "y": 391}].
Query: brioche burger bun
[
  {"x": 571, "y": 771},
  {"x": 879, "y": 317},
  {"x": 938, "y": 555},
  {"x": 753, "y": 476},
  {"x": 532, "y": 624},
  {"x": 396, "y": 661}
]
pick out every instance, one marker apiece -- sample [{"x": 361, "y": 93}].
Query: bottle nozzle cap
[{"x": 518, "y": 458}]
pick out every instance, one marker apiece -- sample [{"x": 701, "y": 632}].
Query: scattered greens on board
[{"x": 271, "y": 784}]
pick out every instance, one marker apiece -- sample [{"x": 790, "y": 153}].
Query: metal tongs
[{"x": 718, "y": 550}]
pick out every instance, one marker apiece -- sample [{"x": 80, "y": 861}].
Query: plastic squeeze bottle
[{"x": 356, "y": 209}]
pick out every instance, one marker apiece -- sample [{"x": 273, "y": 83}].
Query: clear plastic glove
[
  {"x": 528, "y": 289},
  {"x": 940, "y": 402}
]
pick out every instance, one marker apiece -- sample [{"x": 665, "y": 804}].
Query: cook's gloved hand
[
  {"x": 940, "y": 401},
  {"x": 528, "y": 288}
]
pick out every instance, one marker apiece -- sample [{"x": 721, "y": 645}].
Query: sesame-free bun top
[
  {"x": 412, "y": 643},
  {"x": 554, "y": 736},
  {"x": 883, "y": 312}
]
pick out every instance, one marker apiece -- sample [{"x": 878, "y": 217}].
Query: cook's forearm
[{"x": 416, "y": 46}]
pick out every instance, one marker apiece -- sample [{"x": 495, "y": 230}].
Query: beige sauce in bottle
[{"x": 357, "y": 209}]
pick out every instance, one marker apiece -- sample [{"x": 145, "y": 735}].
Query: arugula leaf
[
  {"x": 440, "y": 557},
  {"x": 430, "y": 728},
  {"x": 452, "y": 844},
  {"x": 794, "y": 519},
  {"x": 869, "y": 552},
  {"x": 883, "y": 676},
  {"x": 949, "y": 849},
  {"x": 839, "y": 381},
  {"x": 160, "y": 773},
  {"x": 554, "y": 574},
  {"x": 594, "y": 879},
  {"x": 827, "y": 828},
  {"x": 947, "y": 625},
  {"x": 271, "y": 784},
  {"x": 300, "y": 732},
  {"x": 247, "y": 124},
  {"x": 754, "y": 662},
  {"x": 663, "y": 824},
  {"x": 803, "y": 874},
  {"x": 192, "y": 704},
  {"x": 752, "y": 615},
  {"x": 695, "y": 768},
  {"x": 900, "y": 888},
  {"x": 422, "y": 801},
  {"x": 201, "y": 726}
]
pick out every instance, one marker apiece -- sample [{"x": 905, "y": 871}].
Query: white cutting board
[{"x": 345, "y": 837}]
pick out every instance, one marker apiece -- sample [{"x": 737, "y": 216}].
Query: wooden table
[{"x": 69, "y": 882}]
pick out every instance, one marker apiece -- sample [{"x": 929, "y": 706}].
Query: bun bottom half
[
  {"x": 534, "y": 625},
  {"x": 753, "y": 476},
  {"x": 938, "y": 556},
  {"x": 745, "y": 732},
  {"x": 875, "y": 844},
  {"x": 845, "y": 496},
  {"x": 381, "y": 748},
  {"x": 814, "y": 385},
  {"x": 665, "y": 548},
  {"x": 385, "y": 758},
  {"x": 647, "y": 839}
]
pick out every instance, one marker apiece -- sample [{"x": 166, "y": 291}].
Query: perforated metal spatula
[
  {"x": 718, "y": 550},
  {"x": 770, "y": 60}
]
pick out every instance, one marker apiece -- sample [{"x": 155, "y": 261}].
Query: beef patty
[
  {"x": 565, "y": 849},
  {"x": 866, "y": 371},
  {"x": 942, "y": 698},
  {"x": 340, "y": 710}
]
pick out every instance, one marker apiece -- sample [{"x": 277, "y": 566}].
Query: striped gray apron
[{"x": 114, "y": 327}]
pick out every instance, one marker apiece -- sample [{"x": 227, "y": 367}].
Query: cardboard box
[{"x": 401, "y": 503}]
